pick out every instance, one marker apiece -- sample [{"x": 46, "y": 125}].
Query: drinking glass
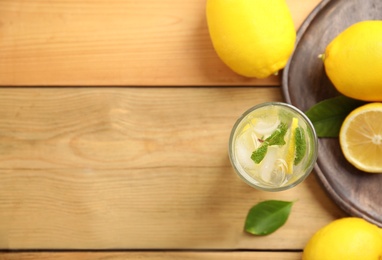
[{"x": 273, "y": 146}]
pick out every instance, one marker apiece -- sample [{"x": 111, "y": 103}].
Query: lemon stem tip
[{"x": 321, "y": 56}]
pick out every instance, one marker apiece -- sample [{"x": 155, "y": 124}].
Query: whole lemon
[
  {"x": 353, "y": 61},
  {"x": 255, "y": 38},
  {"x": 347, "y": 238}
]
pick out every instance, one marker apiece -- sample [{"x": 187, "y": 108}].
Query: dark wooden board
[{"x": 305, "y": 83}]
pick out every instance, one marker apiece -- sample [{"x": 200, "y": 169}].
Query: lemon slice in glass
[{"x": 291, "y": 153}]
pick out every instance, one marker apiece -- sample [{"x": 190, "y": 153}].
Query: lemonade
[{"x": 273, "y": 146}]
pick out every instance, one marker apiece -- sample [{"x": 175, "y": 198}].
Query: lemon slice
[
  {"x": 361, "y": 138},
  {"x": 291, "y": 152}
]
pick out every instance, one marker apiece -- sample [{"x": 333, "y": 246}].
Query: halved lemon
[{"x": 361, "y": 138}]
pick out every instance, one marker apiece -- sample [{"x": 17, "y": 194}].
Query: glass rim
[{"x": 248, "y": 179}]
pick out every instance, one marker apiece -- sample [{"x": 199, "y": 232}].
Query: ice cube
[
  {"x": 246, "y": 143},
  {"x": 244, "y": 156},
  {"x": 248, "y": 139},
  {"x": 268, "y": 164},
  {"x": 267, "y": 126},
  {"x": 278, "y": 173}
]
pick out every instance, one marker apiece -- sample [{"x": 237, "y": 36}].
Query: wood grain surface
[
  {"x": 135, "y": 168},
  {"x": 306, "y": 83},
  {"x": 114, "y": 125},
  {"x": 154, "y": 256},
  {"x": 114, "y": 43}
]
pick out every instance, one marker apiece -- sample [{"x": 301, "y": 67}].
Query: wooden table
[{"x": 114, "y": 123}]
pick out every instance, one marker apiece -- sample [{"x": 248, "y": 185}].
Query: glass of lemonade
[{"x": 273, "y": 146}]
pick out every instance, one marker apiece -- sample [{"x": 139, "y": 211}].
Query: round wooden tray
[{"x": 305, "y": 83}]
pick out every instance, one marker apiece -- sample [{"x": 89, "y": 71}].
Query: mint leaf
[
  {"x": 277, "y": 137},
  {"x": 259, "y": 154},
  {"x": 300, "y": 145},
  {"x": 328, "y": 115},
  {"x": 267, "y": 216}
]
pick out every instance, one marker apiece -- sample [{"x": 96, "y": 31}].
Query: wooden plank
[
  {"x": 119, "y": 168},
  {"x": 114, "y": 42},
  {"x": 154, "y": 255}
]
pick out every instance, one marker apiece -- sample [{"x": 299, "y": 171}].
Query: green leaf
[
  {"x": 259, "y": 154},
  {"x": 327, "y": 116},
  {"x": 277, "y": 137},
  {"x": 300, "y": 145},
  {"x": 267, "y": 216}
]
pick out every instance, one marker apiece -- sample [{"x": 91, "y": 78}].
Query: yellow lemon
[
  {"x": 353, "y": 61},
  {"x": 255, "y": 38},
  {"x": 348, "y": 238},
  {"x": 361, "y": 137}
]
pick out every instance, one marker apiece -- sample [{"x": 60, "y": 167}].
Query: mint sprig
[
  {"x": 276, "y": 138},
  {"x": 259, "y": 154},
  {"x": 300, "y": 145}
]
